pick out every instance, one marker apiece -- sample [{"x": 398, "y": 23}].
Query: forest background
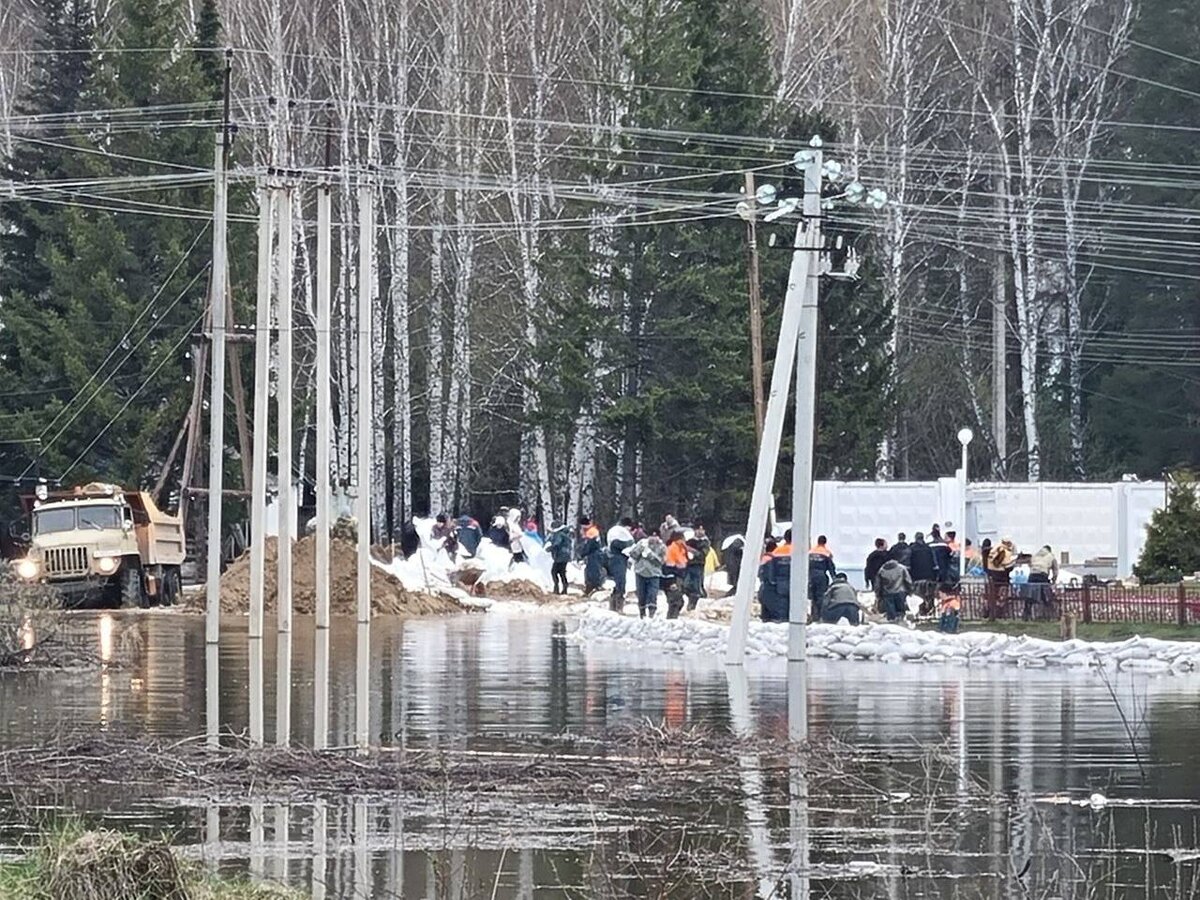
[{"x": 562, "y": 317}]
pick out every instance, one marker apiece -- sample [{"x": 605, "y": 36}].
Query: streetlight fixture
[{"x": 965, "y": 436}]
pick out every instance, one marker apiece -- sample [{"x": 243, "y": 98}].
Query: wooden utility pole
[
  {"x": 756, "y": 352},
  {"x": 238, "y": 390}
]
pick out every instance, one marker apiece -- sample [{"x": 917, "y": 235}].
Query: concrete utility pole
[
  {"x": 324, "y": 438},
  {"x": 999, "y": 343},
  {"x": 802, "y": 472},
  {"x": 283, "y": 585},
  {"x": 258, "y": 480},
  {"x": 755, "y": 292},
  {"x": 768, "y": 451},
  {"x": 216, "y": 445},
  {"x": 366, "y": 294}
]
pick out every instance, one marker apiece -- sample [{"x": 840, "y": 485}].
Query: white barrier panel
[{"x": 1086, "y": 520}]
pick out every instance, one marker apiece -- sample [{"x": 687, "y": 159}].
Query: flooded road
[{"x": 1047, "y": 783}]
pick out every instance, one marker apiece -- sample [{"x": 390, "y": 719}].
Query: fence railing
[{"x": 1172, "y": 604}]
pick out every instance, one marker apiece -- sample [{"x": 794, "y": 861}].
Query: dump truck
[{"x": 98, "y": 543}]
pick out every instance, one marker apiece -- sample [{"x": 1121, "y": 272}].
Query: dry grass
[{"x": 77, "y": 864}]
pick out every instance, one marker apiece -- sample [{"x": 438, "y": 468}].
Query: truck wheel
[
  {"x": 169, "y": 592},
  {"x": 133, "y": 593}
]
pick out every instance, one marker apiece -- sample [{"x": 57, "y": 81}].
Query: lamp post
[{"x": 964, "y": 437}]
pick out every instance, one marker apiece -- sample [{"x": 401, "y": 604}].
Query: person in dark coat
[
  {"x": 733, "y": 560},
  {"x": 893, "y": 584},
  {"x": 558, "y": 545},
  {"x": 498, "y": 530},
  {"x": 820, "y": 572},
  {"x": 900, "y": 551},
  {"x": 469, "y": 534},
  {"x": 698, "y": 548},
  {"x": 841, "y": 602},
  {"x": 775, "y": 578},
  {"x": 410, "y": 541},
  {"x": 620, "y": 539},
  {"x": 875, "y": 560},
  {"x": 591, "y": 551},
  {"x": 923, "y": 570},
  {"x": 941, "y": 557}
]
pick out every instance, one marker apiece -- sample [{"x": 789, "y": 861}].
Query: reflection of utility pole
[{"x": 756, "y": 352}]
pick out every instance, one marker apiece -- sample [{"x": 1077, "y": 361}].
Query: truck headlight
[
  {"x": 106, "y": 564},
  {"x": 27, "y": 569}
]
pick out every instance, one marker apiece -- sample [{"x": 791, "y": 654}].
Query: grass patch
[
  {"x": 72, "y": 863},
  {"x": 1094, "y": 631}
]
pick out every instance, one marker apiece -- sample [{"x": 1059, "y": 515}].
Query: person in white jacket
[{"x": 516, "y": 537}]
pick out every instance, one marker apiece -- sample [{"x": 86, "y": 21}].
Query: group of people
[
  {"x": 1033, "y": 575},
  {"x": 830, "y": 595},
  {"x": 927, "y": 568},
  {"x": 670, "y": 560}
]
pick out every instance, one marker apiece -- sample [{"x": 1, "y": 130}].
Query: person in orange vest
[
  {"x": 674, "y": 572},
  {"x": 775, "y": 577},
  {"x": 820, "y": 572},
  {"x": 951, "y": 604}
]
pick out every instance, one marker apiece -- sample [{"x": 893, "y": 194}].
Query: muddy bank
[{"x": 388, "y": 595}]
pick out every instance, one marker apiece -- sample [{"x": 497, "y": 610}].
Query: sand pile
[
  {"x": 515, "y": 589},
  {"x": 388, "y": 595}
]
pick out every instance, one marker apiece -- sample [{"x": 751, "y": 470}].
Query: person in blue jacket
[{"x": 591, "y": 551}]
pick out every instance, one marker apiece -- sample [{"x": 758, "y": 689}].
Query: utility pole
[
  {"x": 802, "y": 472},
  {"x": 999, "y": 342},
  {"x": 366, "y": 261},
  {"x": 754, "y": 290},
  {"x": 283, "y": 583},
  {"x": 216, "y": 409},
  {"x": 258, "y": 480},
  {"x": 324, "y": 438},
  {"x": 768, "y": 451}
]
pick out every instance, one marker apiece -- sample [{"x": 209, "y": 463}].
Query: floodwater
[{"x": 1055, "y": 783}]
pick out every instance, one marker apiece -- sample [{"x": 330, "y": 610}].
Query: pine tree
[
  {"x": 117, "y": 279},
  {"x": 1172, "y": 547}
]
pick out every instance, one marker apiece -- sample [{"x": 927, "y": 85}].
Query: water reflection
[{"x": 1031, "y": 738}]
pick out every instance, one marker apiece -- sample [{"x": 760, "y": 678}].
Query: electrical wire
[{"x": 112, "y": 421}]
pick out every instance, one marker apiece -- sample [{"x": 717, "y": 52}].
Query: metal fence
[{"x": 1171, "y": 604}]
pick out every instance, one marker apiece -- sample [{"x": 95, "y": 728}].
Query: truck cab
[{"x": 99, "y": 543}]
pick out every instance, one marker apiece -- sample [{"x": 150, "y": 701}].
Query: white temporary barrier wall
[{"x": 1086, "y": 520}]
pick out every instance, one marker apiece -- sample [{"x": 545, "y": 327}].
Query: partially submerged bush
[
  {"x": 78, "y": 864},
  {"x": 27, "y": 612},
  {"x": 106, "y": 865}
]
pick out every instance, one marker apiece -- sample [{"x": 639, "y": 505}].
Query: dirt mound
[
  {"x": 515, "y": 589},
  {"x": 388, "y": 596}
]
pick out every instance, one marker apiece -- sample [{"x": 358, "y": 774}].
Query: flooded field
[{"x": 956, "y": 782}]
